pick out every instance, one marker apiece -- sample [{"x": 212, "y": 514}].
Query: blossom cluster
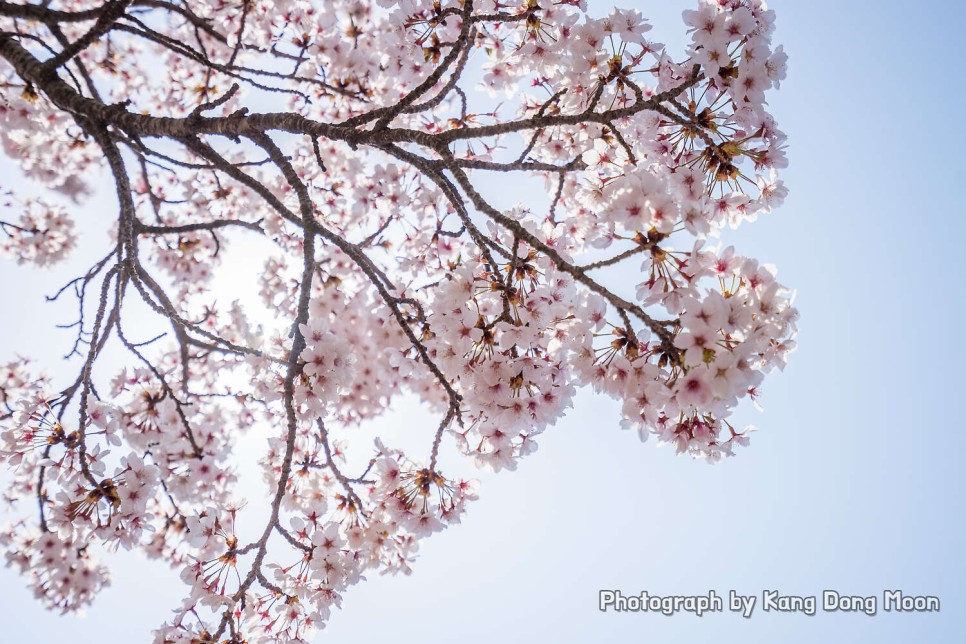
[
  {"x": 62, "y": 573},
  {"x": 42, "y": 235},
  {"x": 510, "y": 363}
]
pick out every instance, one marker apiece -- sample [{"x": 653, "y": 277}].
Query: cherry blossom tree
[{"x": 361, "y": 142}]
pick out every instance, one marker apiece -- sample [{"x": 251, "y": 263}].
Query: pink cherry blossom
[{"x": 339, "y": 150}]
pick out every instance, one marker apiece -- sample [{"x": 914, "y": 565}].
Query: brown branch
[{"x": 110, "y": 13}]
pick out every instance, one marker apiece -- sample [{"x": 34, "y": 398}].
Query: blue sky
[{"x": 855, "y": 481}]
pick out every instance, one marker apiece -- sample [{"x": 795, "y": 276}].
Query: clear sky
[{"x": 855, "y": 481}]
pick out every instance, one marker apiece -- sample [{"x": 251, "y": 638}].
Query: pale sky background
[{"x": 855, "y": 481}]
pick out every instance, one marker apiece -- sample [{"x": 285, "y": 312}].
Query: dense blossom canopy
[{"x": 360, "y": 140}]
